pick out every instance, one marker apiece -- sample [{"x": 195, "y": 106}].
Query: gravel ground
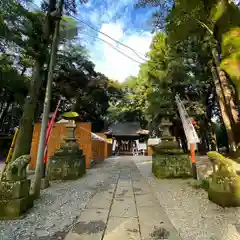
[
  {"x": 190, "y": 211},
  {"x": 59, "y": 206}
]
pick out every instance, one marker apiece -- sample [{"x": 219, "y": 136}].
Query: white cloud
[
  {"x": 88, "y": 4},
  {"x": 94, "y": 17},
  {"x": 112, "y": 63}
]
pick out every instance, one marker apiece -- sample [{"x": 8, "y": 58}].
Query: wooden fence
[
  {"x": 101, "y": 150},
  {"x": 109, "y": 150},
  {"x": 98, "y": 150},
  {"x": 149, "y": 151},
  {"x": 107, "y": 147},
  {"x": 83, "y": 135},
  {"x": 92, "y": 149}
]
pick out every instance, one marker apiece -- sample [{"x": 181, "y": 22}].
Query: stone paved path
[
  {"x": 125, "y": 208},
  {"x": 121, "y": 199}
]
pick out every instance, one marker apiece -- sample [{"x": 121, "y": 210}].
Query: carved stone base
[
  {"x": 67, "y": 164},
  {"x": 168, "y": 161},
  {"x": 14, "y": 198},
  {"x": 14, "y": 189},
  {"x": 171, "y": 166},
  {"x": 167, "y": 146},
  {"x": 14, "y": 208}
]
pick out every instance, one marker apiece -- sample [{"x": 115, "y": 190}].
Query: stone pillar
[
  {"x": 14, "y": 189},
  {"x": 165, "y": 132},
  {"x": 70, "y": 138}
]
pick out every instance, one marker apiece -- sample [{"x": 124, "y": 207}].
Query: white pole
[{"x": 47, "y": 102}]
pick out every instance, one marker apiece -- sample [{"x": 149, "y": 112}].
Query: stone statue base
[
  {"x": 168, "y": 160},
  {"x": 170, "y": 163},
  {"x": 14, "y": 189},
  {"x": 14, "y": 198},
  {"x": 68, "y": 163}
]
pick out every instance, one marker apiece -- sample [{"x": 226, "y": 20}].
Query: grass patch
[{"x": 200, "y": 184}]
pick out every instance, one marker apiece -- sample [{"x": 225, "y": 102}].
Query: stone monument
[
  {"x": 224, "y": 183},
  {"x": 168, "y": 159},
  {"x": 68, "y": 162},
  {"x": 15, "y": 199}
]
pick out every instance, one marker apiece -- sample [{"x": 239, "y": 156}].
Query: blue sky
[{"x": 120, "y": 20}]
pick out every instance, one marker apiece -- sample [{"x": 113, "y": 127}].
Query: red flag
[{"x": 49, "y": 130}]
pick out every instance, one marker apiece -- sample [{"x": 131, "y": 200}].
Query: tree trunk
[
  {"x": 228, "y": 94},
  {"x": 24, "y": 139},
  {"x": 6, "y": 109},
  {"x": 2, "y": 104},
  {"x": 4, "y": 113},
  {"x": 47, "y": 103},
  {"x": 224, "y": 110},
  {"x": 225, "y": 95}
]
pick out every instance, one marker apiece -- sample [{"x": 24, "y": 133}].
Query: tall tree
[
  {"x": 205, "y": 19},
  {"x": 130, "y": 105},
  {"x": 41, "y": 42}
]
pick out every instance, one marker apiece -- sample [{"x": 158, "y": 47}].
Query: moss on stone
[
  {"x": 200, "y": 184},
  {"x": 167, "y": 148},
  {"x": 219, "y": 160},
  {"x": 171, "y": 165},
  {"x": 67, "y": 164},
  {"x": 14, "y": 198},
  {"x": 14, "y": 189},
  {"x": 14, "y": 208},
  {"x": 224, "y": 198},
  {"x": 224, "y": 187}
]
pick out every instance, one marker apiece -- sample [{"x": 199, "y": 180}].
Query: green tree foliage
[
  {"x": 231, "y": 54},
  {"x": 130, "y": 105},
  {"x": 195, "y": 32},
  {"x": 25, "y": 39}
]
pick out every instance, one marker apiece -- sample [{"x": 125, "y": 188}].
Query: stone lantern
[
  {"x": 70, "y": 138},
  {"x": 68, "y": 162},
  {"x": 169, "y": 161}
]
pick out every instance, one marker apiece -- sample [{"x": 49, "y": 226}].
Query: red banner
[{"x": 49, "y": 130}]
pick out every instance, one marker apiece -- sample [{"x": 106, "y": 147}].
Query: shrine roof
[{"x": 126, "y": 129}]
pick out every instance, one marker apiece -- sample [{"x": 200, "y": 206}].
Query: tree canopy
[
  {"x": 25, "y": 42},
  {"x": 192, "y": 54}
]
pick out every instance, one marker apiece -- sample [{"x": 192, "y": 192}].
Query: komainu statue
[
  {"x": 15, "y": 199},
  {"x": 224, "y": 185},
  {"x": 16, "y": 170}
]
